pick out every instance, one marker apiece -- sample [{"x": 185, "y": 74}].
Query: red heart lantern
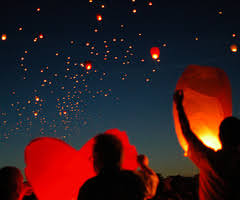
[
  {"x": 207, "y": 101},
  {"x": 57, "y": 171}
]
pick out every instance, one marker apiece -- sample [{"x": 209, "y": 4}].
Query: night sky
[{"x": 47, "y": 91}]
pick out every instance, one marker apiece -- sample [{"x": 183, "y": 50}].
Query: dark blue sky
[{"x": 117, "y": 95}]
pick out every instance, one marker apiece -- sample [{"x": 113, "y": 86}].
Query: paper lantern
[
  {"x": 57, "y": 171},
  {"x": 88, "y": 65},
  {"x": 207, "y": 101},
  {"x": 234, "y": 48},
  {"x": 155, "y": 52},
  {"x": 41, "y": 36},
  {"x": 99, "y": 17},
  {"x": 4, "y": 37}
]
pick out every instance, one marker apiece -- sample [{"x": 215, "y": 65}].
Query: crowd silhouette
[{"x": 217, "y": 180}]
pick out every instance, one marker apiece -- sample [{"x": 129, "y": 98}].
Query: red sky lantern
[
  {"x": 41, "y": 36},
  {"x": 99, "y": 17},
  {"x": 88, "y": 65},
  {"x": 56, "y": 170},
  {"x": 155, "y": 52},
  {"x": 207, "y": 101}
]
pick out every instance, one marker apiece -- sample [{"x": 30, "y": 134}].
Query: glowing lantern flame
[
  {"x": 4, "y": 37},
  {"x": 99, "y": 17},
  {"x": 234, "y": 48},
  {"x": 155, "y": 52},
  {"x": 88, "y": 65},
  {"x": 207, "y": 101}
]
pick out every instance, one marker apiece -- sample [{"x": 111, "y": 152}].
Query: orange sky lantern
[
  {"x": 155, "y": 52},
  {"x": 99, "y": 17},
  {"x": 88, "y": 65},
  {"x": 207, "y": 101},
  {"x": 4, "y": 37},
  {"x": 234, "y": 48}
]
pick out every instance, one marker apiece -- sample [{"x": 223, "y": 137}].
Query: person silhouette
[
  {"x": 111, "y": 181},
  {"x": 148, "y": 176},
  {"x": 219, "y": 171},
  {"x": 12, "y": 186}
]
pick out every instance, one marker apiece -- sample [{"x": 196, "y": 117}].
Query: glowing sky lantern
[
  {"x": 57, "y": 171},
  {"x": 88, "y": 65},
  {"x": 41, "y": 36},
  {"x": 4, "y": 37},
  {"x": 99, "y": 17},
  {"x": 207, "y": 101},
  {"x": 234, "y": 48},
  {"x": 155, "y": 52}
]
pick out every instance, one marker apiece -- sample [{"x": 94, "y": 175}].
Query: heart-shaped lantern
[{"x": 57, "y": 171}]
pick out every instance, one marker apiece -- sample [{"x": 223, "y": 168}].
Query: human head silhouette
[
  {"x": 11, "y": 183},
  {"x": 107, "y": 152},
  {"x": 229, "y": 133},
  {"x": 143, "y": 160}
]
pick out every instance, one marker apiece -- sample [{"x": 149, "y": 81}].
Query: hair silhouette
[{"x": 229, "y": 132}]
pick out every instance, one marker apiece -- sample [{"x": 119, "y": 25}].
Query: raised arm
[{"x": 191, "y": 138}]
